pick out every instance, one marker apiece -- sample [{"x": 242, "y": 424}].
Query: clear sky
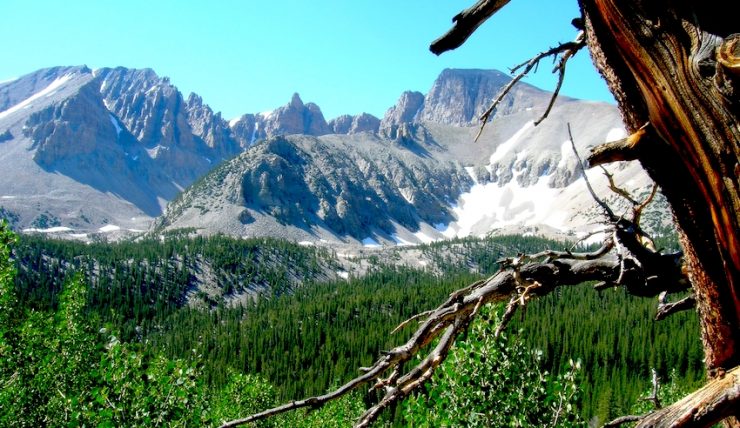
[{"x": 248, "y": 56}]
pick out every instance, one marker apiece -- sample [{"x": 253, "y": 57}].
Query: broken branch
[
  {"x": 665, "y": 309},
  {"x": 465, "y": 23},
  {"x": 607, "y": 210},
  {"x": 625, "y": 149}
]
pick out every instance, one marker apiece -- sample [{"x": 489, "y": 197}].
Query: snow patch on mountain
[
  {"x": 370, "y": 243},
  {"x": 56, "y": 229},
  {"x": 109, "y": 228},
  {"x": 487, "y": 206},
  {"x": 49, "y": 90},
  {"x": 507, "y": 145},
  {"x": 115, "y": 124}
]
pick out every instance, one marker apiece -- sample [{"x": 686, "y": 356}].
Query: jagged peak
[
  {"x": 295, "y": 101},
  {"x": 194, "y": 100}
]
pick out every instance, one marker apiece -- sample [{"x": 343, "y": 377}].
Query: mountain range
[{"x": 114, "y": 150}]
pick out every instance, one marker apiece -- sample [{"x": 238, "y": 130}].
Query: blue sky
[{"x": 248, "y": 56}]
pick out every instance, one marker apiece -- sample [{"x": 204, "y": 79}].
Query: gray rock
[
  {"x": 405, "y": 111},
  {"x": 295, "y": 118},
  {"x": 346, "y": 124},
  {"x": 459, "y": 97},
  {"x": 341, "y": 124}
]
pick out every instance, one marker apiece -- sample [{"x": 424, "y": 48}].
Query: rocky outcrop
[
  {"x": 341, "y": 124},
  {"x": 185, "y": 138},
  {"x": 364, "y": 123},
  {"x": 79, "y": 127},
  {"x": 114, "y": 143},
  {"x": 295, "y": 118},
  {"x": 404, "y": 112},
  {"x": 210, "y": 128},
  {"x": 150, "y": 107},
  {"x": 246, "y": 130},
  {"x": 346, "y": 124}
]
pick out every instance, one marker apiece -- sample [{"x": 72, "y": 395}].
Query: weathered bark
[
  {"x": 712, "y": 403},
  {"x": 659, "y": 59}
]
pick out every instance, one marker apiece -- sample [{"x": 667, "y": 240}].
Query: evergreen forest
[{"x": 183, "y": 330}]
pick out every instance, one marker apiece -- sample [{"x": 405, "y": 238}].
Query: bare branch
[
  {"x": 579, "y": 43},
  {"x": 566, "y": 49},
  {"x": 616, "y": 189},
  {"x": 607, "y": 210},
  {"x": 637, "y": 211},
  {"x": 508, "y": 315},
  {"x": 653, "y": 398},
  {"x": 414, "y": 318},
  {"x": 465, "y": 23},
  {"x": 666, "y": 309}
]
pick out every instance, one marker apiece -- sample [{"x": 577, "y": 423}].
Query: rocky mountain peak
[
  {"x": 195, "y": 100},
  {"x": 296, "y": 102},
  {"x": 124, "y": 138},
  {"x": 294, "y": 118},
  {"x": 16, "y": 91},
  {"x": 405, "y": 111},
  {"x": 459, "y": 97}
]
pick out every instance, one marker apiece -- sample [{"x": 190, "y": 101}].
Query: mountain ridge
[{"x": 405, "y": 178}]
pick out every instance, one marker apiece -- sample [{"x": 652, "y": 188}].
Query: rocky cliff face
[
  {"x": 185, "y": 138},
  {"x": 123, "y": 138},
  {"x": 210, "y": 128},
  {"x": 404, "y": 112}
]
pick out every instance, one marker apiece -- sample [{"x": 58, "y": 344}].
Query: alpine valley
[
  {"x": 353, "y": 225},
  {"x": 115, "y": 151}
]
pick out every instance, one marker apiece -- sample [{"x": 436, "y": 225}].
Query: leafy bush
[{"x": 488, "y": 381}]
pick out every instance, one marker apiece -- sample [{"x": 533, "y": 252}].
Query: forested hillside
[{"x": 145, "y": 311}]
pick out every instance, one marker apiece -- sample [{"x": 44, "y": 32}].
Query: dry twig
[{"x": 565, "y": 50}]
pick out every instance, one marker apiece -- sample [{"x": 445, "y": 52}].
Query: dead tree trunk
[{"x": 675, "y": 65}]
